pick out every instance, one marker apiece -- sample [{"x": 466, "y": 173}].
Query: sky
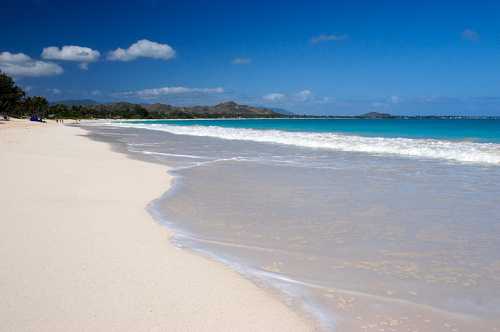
[{"x": 309, "y": 57}]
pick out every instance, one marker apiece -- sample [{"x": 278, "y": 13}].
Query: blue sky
[{"x": 320, "y": 57}]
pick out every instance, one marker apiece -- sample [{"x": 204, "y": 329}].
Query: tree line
[{"x": 15, "y": 103}]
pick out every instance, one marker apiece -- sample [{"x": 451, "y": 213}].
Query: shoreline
[
  {"x": 276, "y": 286},
  {"x": 102, "y": 262},
  {"x": 355, "y": 309}
]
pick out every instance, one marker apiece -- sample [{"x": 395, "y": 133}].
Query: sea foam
[{"x": 458, "y": 151}]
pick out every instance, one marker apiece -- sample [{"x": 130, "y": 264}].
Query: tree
[
  {"x": 40, "y": 106},
  {"x": 10, "y": 95},
  {"x": 28, "y": 106}
]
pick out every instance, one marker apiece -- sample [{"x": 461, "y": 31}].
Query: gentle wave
[{"x": 463, "y": 151}]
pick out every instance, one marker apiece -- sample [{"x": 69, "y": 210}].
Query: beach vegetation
[{"x": 10, "y": 95}]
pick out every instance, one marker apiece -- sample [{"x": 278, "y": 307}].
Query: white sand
[{"x": 78, "y": 251}]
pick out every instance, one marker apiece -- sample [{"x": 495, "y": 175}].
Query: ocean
[{"x": 359, "y": 224}]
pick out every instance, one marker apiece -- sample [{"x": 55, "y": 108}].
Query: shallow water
[
  {"x": 360, "y": 241},
  {"x": 473, "y": 130}
]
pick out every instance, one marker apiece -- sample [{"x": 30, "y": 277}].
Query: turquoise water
[
  {"x": 475, "y": 130},
  {"x": 458, "y": 140}
]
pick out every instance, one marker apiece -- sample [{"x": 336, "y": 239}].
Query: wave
[{"x": 461, "y": 151}]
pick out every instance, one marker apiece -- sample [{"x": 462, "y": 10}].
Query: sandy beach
[{"x": 79, "y": 252}]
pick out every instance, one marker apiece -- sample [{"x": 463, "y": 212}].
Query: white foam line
[
  {"x": 169, "y": 154},
  {"x": 463, "y": 151},
  {"x": 143, "y": 144}
]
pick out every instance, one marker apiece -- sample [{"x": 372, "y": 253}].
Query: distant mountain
[
  {"x": 230, "y": 109},
  {"x": 159, "y": 108},
  {"x": 283, "y": 111},
  {"x": 376, "y": 115},
  {"x": 75, "y": 102}
]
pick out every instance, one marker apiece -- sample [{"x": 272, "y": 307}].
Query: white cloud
[
  {"x": 326, "y": 38},
  {"x": 169, "y": 91},
  {"x": 95, "y": 92},
  {"x": 470, "y": 35},
  {"x": 143, "y": 49},
  {"x": 84, "y": 55},
  {"x": 241, "y": 61},
  {"x": 304, "y": 95},
  {"x": 54, "y": 91},
  {"x": 7, "y": 57},
  {"x": 20, "y": 64},
  {"x": 71, "y": 53},
  {"x": 274, "y": 97}
]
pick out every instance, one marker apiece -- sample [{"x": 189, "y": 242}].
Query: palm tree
[
  {"x": 40, "y": 106},
  {"x": 29, "y": 106}
]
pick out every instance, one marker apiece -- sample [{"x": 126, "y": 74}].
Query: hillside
[
  {"x": 376, "y": 115},
  {"x": 228, "y": 109},
  {"x": 75, "y": 102}
]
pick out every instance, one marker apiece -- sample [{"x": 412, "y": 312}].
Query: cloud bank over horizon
[{"x": 168, "y": 91}]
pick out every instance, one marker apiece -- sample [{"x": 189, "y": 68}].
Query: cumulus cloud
[
  {"x": 274, "y": 97},
  {"x": 84, "y": 55},
  {"x": 143, "y": 49},
  {"x": 20, "y": 64},
  {"x": 171, "y": 91},
  {"x": 326, "y": 38},
  {"x": 470, "y": 35},
  {"x": 8, "y": 57},
  {"x": 241, "y": 61}
]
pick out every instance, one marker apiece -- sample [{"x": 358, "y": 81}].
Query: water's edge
[
  {"x": 203, "y": 206},
  {"x": 274, "y": 284}
]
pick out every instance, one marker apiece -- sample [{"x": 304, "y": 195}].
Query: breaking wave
[{"x": 458, "y": 151}]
